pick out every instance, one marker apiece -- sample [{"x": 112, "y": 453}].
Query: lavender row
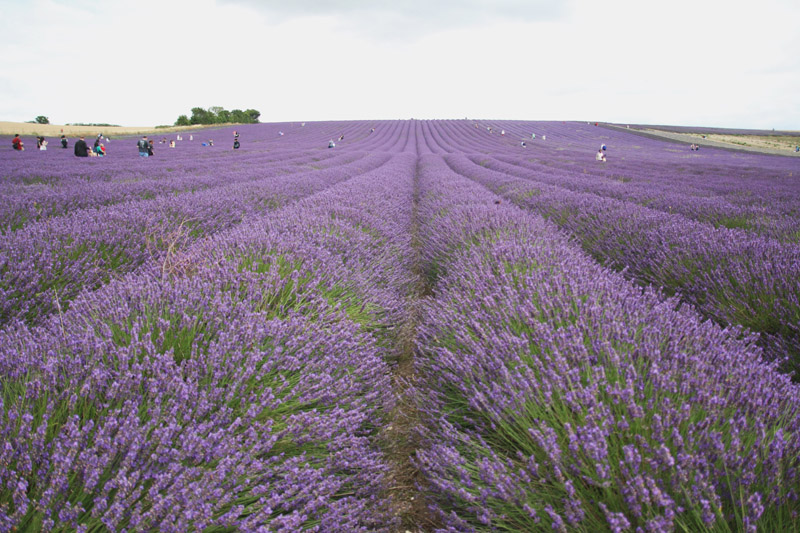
[
  {"x": 44, "y": 265},
  {"x": 730, "y": 275},
  {"x": 769, "y": 221},
  {"x": 22, "y": 204},
  {"x": 559, "y": 396},
  {"x": 763, "y": 183},
  {"x": 243, "y": 392}
]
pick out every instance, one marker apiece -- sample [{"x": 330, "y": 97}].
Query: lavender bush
[
  {"x": 561, "y": 397},
  {"x": 239, "y": 392},
  {"x": 207, "y": 339}
]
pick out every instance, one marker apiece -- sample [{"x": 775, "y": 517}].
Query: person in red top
[{"x": 16, "y": 143}]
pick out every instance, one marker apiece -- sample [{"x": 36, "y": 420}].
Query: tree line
[{"x": 218, "y": 115}]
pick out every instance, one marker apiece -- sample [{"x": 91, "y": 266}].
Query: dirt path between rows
[
  {"x": 687, "y": 139},
  {"x": 399, "y": 437}
]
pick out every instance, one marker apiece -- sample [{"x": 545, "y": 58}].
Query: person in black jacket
[
  {"x": 63, "y": 141},
  {"x": 81, "y": 150}
]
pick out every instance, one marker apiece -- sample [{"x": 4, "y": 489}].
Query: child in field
[
  {"x": 42, "y": 143},
  {"x": 331, "y": 144},
  {"x": 64, "y": 141},
  {"x": 236, "y": 144},
  {"x": 600, "y": 156}
]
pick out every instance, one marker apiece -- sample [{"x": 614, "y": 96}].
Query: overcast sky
[{"x": 726, "y": 63}]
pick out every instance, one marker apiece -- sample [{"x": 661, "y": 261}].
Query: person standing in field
[
  {"x": 42, "y": 143},
  {"x": 64, "y": 141},
  {"x": 236, "y": 144},
  {"x": 150, "y": 147},
  {"x": 81, "y": 149},
  {"x": 144, "y": 147}
]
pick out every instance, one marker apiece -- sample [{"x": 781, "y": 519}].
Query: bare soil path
[
  {"x": 745, "y": 143},
  {"x": 399, "y": 437}
]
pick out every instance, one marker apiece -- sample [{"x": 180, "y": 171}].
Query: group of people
[
  {"x": 145, "y": 146},
  {"x": 82, "y": 149},
  {"x": 694, "y": 147}
]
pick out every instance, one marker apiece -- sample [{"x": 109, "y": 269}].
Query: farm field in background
[{"x": 477, "y": 315}]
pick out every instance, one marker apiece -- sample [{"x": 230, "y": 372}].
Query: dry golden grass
[
  {"x": 772, "y": 142},
  {"x": 56, "y": 130}
]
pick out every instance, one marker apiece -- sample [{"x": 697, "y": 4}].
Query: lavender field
[{"x": 290, "y": 337}]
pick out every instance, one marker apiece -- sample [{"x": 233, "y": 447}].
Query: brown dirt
[{"x": 399, "y": 438}]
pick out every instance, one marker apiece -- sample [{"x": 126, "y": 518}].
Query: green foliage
[
  {"x": 41, "y": 119},
  {"x": 92, "y": 124},
  {"x": 219, "y": 115}
]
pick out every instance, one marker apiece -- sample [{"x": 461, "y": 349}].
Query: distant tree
[
  {"x": 239, "y": 116},
  {"x": 223, "y": 116},
  {"x": 41, "y": 119},
  {"x": 214, "y": 112},
  {"x": 201, "y": 116},
  {"x": 253, "y": 114},
  {"x": 219, "y": 115}
]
